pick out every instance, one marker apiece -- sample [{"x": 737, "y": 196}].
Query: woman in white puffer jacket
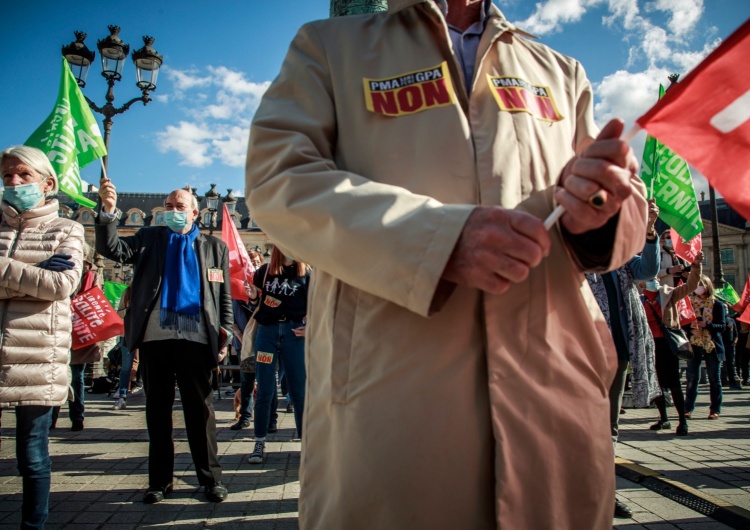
[{"x": 40, "y": 267}]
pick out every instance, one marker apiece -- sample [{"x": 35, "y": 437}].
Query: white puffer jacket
[{"x": 35, "y": 322}]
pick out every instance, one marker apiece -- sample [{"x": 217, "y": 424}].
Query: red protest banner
[
  {"x": 94, "y": 319},
  {"x": 687, "y": 250},
  {"x": 241, "y": 268},
  {"x": 706, "y": 119},
  {"x": 744, "y": 299}
]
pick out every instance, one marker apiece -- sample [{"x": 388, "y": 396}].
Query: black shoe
[
  {"x": 682, "y": 429},
  {"x": 735, "y": 385},
  {"x": 154, "y": 495},
  {"x": 273, "y": 428},
  {"x": 621, "y": 510},
  {"x": 216, "y": 493},
  {"x": 290, "y": 407},
  {"x": 661, "y": 424},
  {"x": 240, "y": 425},
  {"x": 77, "y": 425}
]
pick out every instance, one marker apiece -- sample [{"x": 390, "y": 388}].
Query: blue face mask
[
  {"x": 652, "y": 285},
  {"x": 176, "y": 221},
  {"x": 23, "y": 197},
  {"x": 668, "y": 243}
]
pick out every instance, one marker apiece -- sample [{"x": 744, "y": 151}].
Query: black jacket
[{"x": 146, "y": 250}]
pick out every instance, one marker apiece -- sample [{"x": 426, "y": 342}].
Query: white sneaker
[
  {"x": 256, "y": 457},
  {"x": 120, "y": 404}
]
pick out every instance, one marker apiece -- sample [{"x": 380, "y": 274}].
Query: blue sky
[{"x": 220, "y": 55}]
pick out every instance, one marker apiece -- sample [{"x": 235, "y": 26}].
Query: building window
[
  {"x": 727, "y": 255},
  {"x": 134, "y": 217},
  {"x": 730, "y": 279},
  {"x": 86, "y": 217},
  {"x": 159, "y": 219}
]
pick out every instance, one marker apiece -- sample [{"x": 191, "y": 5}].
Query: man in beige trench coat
[{"x": 458, "y": 365}]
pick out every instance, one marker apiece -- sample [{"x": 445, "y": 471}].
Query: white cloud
[
  {"x": 189, "y": 140},
  {"x": 216, "y": 129},
  {"x": 684, "y": 14},
  {"x": 551, "y": 15},
  {"x": 183, "y": 80}
]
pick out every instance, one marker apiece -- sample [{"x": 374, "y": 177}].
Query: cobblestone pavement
[{"x": 700, "y": 482}]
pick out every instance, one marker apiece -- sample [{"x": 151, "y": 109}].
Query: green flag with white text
[
  {"x": 668, "y": 176},
  {"x": 113, "y": 292},
  {"x": 70, "y": 137},
  {"x": 728, "y": 294}
]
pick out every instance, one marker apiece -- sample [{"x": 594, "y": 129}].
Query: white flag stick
[
  {"x": 104, "y": 169},
  {"x": 552, "y": 218}
]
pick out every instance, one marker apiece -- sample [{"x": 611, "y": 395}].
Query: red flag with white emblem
[
  {"x": 687, "y": 250},
  {"x": 241, "y": 268},
  {"x": 706, "y": 119}
]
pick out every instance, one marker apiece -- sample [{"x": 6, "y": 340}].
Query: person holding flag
[
  {"x": 180, "y": 319},
  {"x": 41, "y": 262}
]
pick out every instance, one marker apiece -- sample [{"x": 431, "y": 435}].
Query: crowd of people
[{"x": 448, "y": 325}]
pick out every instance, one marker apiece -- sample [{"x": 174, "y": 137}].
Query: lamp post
[
  {"x": 719, "y": 280},
  {"x": 212, "y": 203},
  {"x": 231, "y": 203},
  {"x": 113, "y": 52}
]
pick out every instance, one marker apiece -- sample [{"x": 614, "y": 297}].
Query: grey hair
[
  {"x": 192, "y": 197},
  {"x": 34, "y": 158}
]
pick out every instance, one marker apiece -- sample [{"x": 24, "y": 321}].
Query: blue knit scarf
[{"x": 181, "y": 288}]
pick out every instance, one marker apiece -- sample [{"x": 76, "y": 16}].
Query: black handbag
[{"x": 678, "y": 342}]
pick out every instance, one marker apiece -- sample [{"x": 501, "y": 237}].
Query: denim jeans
[
  {"x": 126, "y": 362},
  {"x": 280, "y": 342},
  {"x": 247, "y": 382},
  {"x": 713, "y": 368},
  {"x": 75, "y": 408},
  {"x": 34, "y": 464}
]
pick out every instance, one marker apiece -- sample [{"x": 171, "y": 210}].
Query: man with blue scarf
[{"x": 180, "y": 318}]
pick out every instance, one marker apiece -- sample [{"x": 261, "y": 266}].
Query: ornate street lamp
[
  {"x": 212, "y": 203},
  {"x": 113, "y": 52},
  {"x": 231, "y": 203}
]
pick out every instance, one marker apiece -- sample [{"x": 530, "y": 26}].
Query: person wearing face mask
[
  {"x": 280, "y": 288},
  {"x": 660, "y": 302},
  {"x": 705, "y": 338},
  {"x": 41, "y": 262},
  {"x": 180, "y": 319},
  {"x": 673, "y": 269}
]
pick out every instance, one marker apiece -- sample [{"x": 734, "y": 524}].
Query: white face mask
[{"x": 700, "y": 290}]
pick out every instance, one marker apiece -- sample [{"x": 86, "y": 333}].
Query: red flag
[
  {"x": 744, "y": 299},
  {"x": 241, "y": 268},
  {"x": 93, "y": 318},
  {"x": 745, "y": 316},
  {"x": 706, "y": 119},
  {"x": 685, "y": 311},
  {"x": 687, "y": 250}
]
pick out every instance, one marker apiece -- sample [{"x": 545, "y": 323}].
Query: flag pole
[{"x": 104, "y": 168}]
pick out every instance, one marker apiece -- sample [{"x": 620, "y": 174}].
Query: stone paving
[{"x": 99, "y": 474}]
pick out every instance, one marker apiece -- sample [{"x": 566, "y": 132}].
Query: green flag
[
  {"x": 70, "y": 137},
  {"x": 728, "y": 294},
  {"x": 113, "y": 292},
  {"x": 668, "y": 176}
]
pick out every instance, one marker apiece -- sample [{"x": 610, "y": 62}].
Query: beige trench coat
[{"x": 430, "y": 406}]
